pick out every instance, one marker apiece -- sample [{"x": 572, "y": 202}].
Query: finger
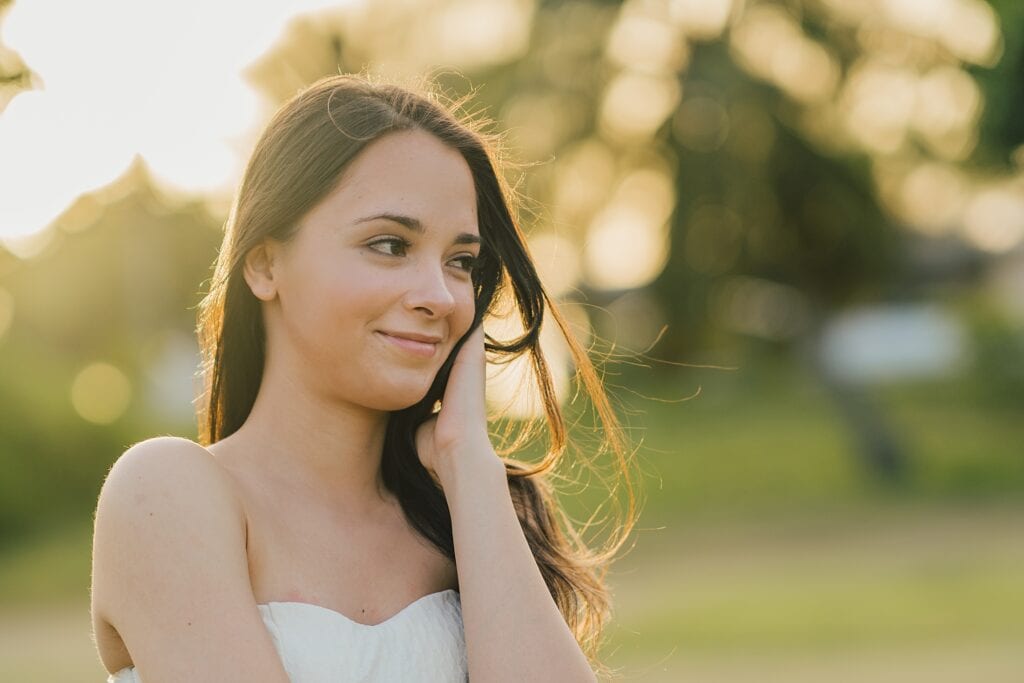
[
  {"x": 465, "y": 390},
  {"x": 471, "y": 360}
]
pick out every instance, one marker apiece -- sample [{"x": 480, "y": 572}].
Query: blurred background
[{"x": 796, "y": 227}]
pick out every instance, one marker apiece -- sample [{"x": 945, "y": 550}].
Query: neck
[{"x": 312, "y": 443}]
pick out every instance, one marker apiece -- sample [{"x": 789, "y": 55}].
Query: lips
[
  {"x": 415, "y": 346},
  {"x": 415, "y": 336}
]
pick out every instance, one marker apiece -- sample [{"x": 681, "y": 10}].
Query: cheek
[
  {"x": 338, "y": 306},
  {"x": 465, "y": 313}
]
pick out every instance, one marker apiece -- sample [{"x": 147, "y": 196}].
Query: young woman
[{"x": 344, "y": 515}]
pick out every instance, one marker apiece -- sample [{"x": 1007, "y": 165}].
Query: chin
[{"x": 400, "y": 398}]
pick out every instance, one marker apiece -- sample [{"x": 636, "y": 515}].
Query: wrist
[{"x": 469, "y": 462}]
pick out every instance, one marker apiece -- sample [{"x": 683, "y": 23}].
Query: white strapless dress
[{"x": 423, "y": 642}]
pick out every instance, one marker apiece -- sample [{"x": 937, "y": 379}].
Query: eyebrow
[{"x": 417, "y": 227}]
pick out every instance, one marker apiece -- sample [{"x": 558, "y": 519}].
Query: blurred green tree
[{"x": 729, "y": 169}]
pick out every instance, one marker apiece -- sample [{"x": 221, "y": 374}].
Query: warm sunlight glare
[{"x": 121, "y": 78}]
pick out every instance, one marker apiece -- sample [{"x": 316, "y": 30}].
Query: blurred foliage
[
  {"x": 998, "y": 345},
  {"x": 111, "y": 292},
  {"x": 730, "y": 173},
  {"x": 681, "y": 181}
]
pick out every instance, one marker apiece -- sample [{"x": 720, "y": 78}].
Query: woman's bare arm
[
  {"x": 514, "y": 630},
  {"x": 170, "y": 572}
]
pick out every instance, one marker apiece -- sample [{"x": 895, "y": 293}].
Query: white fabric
[{"x": 423, "y": 642}]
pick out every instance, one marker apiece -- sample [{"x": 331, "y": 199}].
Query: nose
[{"x": 430, "y": 293}]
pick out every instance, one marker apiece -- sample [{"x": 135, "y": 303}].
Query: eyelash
[{"x": 471, "y": 261}]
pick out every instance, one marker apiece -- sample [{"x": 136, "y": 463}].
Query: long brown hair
[{"x": 295, "y": 164}]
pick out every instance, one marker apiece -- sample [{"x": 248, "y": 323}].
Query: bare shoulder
[
  {"x": 157, "y": 487},
  {"x": 170, "y": 572},
  {"x": 164, "y": 453},
  {"x": 167, "y": 465}
]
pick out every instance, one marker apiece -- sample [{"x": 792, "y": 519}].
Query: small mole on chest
[{"x": 298, "y": 596}]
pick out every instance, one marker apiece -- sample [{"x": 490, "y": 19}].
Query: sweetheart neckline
[
  {"x": 328, "y": 610},
  {"x": 352, "y": 621}
]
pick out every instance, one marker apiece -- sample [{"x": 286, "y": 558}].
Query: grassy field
[
  {"x": 900, "y": 593},
  {"x": 889, "y": 593},
  {"x": 765, "y": 552}
]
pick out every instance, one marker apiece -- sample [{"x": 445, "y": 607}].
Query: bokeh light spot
[{"x": 101, "y": 393}]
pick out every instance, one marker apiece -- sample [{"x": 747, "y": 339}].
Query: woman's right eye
[{"x": 402, "y": 244}]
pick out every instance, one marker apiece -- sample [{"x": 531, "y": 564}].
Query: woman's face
[{"x": 388, "y": 254}]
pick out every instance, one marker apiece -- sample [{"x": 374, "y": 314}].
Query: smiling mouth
[{"x": 417, "y": 348}]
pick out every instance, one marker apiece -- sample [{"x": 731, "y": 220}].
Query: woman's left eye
[{"x": 467, "y": 261}]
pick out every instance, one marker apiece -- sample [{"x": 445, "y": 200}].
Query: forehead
[{"x": 409, "y": 173}]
